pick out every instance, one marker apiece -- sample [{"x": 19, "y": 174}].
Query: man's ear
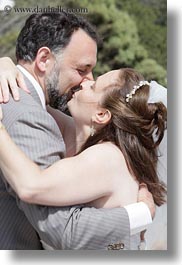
[
  {"x": 102, "y": 116},
  {"x": 43, "y": 59}
]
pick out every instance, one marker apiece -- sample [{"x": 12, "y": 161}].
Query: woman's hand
[{"x": 10, "y": 80}]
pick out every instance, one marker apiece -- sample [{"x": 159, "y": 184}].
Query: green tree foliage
[
  {"x": 152, "y": 71},
  {"x": 151, "y": 20},
  {"x": 133, "y": 32},
  {"x": 121, "y": 46}
]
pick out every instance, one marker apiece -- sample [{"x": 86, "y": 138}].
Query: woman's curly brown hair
[{"x": 137, "y": 128}]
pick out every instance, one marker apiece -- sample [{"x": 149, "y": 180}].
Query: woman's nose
[{"x": 86, "y": 84}]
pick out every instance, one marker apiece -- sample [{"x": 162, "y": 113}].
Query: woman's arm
[
  {"x": 10, "y": 79},
  {"x": 70, "y": 181},
  {"x": 66, "y": 125}
]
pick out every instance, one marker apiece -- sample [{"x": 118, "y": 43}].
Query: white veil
[
  {"x": 156, "y": 235},
  {"x": 157, "y": 93}
]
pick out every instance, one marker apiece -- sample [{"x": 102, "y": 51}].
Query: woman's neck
[{"x": 82, "y": 134}]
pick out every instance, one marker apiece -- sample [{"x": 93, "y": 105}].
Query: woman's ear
[
  {"x": 43, "y": 59},
  {"x": 102, "y": 116}
]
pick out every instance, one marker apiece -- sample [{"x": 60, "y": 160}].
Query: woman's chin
[{"x": 69, "y": 106}]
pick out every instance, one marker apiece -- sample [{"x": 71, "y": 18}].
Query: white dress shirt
[{"x": 35, "y": 85}]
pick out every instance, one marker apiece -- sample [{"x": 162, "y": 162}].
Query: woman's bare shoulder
[{"x": 103, "y": 152}]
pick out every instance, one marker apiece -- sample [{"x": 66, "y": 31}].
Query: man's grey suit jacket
[{"x": 77, "y": 227}]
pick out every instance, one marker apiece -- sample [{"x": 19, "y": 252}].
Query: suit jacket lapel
[{"x": 32, "y": 90}]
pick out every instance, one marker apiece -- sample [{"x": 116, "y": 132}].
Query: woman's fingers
[
  {"x": 4, "y": 90},
  {"x": 11, "y": 79},
  {"x": 11, "y": 84},
  {"x": 14, "y": 89}
]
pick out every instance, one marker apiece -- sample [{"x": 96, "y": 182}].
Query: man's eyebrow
[{"x": 84, "y": 65}]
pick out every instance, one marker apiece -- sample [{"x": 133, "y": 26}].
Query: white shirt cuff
[{"x": 139, "y": 217}]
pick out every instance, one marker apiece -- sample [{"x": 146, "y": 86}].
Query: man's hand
[
  {"x": 10, "y": 80},
  {"x": 145, "y": 196}
]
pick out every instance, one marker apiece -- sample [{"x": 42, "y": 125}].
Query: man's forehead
[{"x": 81, "y": 48}]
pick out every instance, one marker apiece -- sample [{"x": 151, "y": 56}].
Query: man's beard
[
  {"x": 52, "y": 85},
  {"x": 56, "y": 101}
]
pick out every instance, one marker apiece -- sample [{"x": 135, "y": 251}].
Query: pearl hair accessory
[{"x": 136, "y": 87}]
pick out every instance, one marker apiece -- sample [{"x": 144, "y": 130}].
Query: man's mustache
[
  {"x": 71, "y": 92},
  {"x": 60, "y": 101}
]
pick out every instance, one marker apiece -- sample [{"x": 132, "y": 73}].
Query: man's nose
[{"x": 88, "y": 76}]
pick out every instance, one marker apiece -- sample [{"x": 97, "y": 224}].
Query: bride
[{"x": 115, "y": 148}]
